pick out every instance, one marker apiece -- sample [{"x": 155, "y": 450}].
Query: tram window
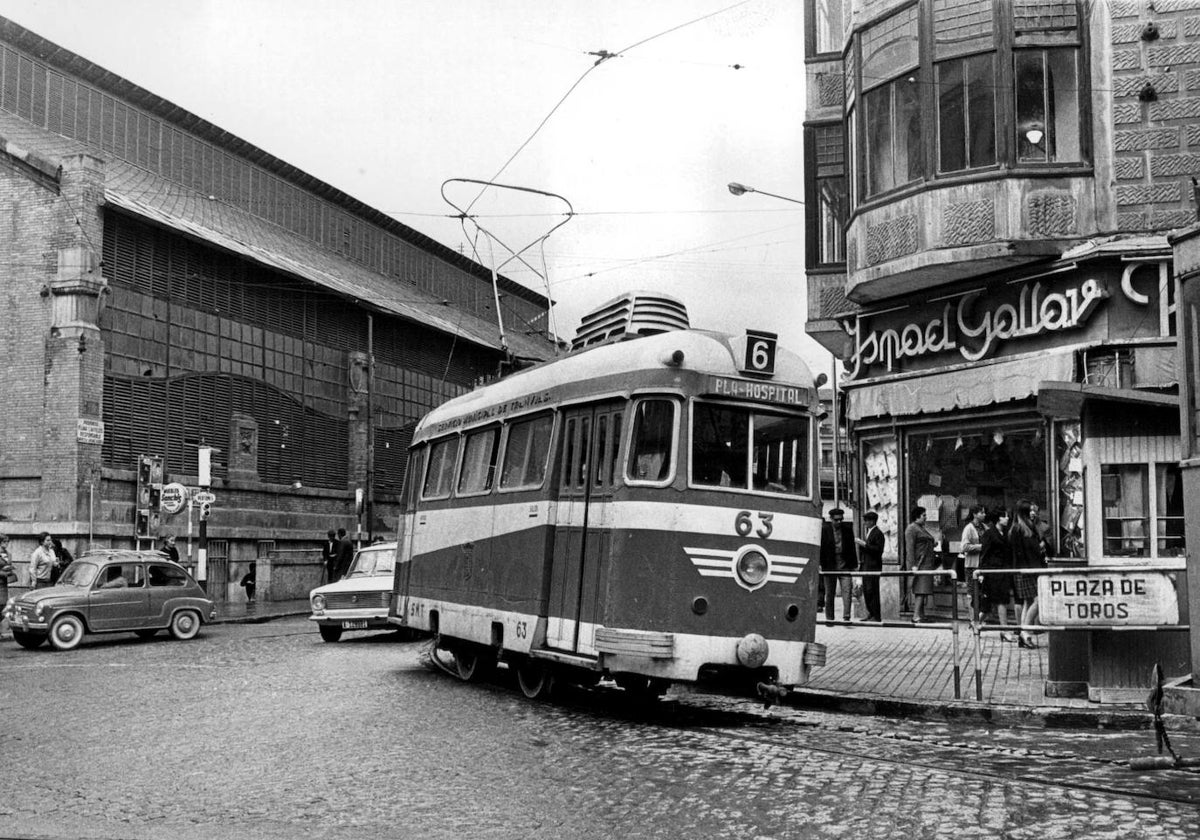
[
  {"x": 439, "y": 476},
  {"x": 744, "y": 449},
  {"x": 720, "y": 438},
  {"x": 479, "y": 462},
  {"x": 653, "y": 433},
  {"x": 525, "y": 453},
  {"x": 781, "y": 453}
]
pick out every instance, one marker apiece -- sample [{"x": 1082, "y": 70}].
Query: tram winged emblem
[{"x": 715, "y": 562}]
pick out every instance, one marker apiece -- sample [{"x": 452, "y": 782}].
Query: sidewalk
[
  {"x": 907, "y": 671},
  {"x": 904, "y": 671}
]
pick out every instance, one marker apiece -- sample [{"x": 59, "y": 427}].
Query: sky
[{"x": 388, "y": 100}]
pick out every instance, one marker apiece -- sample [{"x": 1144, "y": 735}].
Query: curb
[
  {"x": 973, "y": 711},
  {"x": 256, "y": 619}
]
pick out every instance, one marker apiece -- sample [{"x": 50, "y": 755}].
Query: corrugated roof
[
  {"x": 151, "y": 197},
  {"x": 75, "y": 65}
]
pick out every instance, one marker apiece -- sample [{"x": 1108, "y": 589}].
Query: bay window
[
  {"x": 930, "y": 86},
  {"x": 966, "y": 90},
  {"x": 1047, "y": 105},
  {"x": 827, "y": 158},
  {"x": 891, "y": 104}
]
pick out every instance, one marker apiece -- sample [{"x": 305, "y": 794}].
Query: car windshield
[
  {"x": 79, "y": 573},
  {"x": 372, "y": 562}
]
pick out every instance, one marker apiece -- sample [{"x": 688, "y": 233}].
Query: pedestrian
[
  {"x": 41, "y": 562},
  {"x": 918, "y": 555},
  {"x": 838, "y": 554},
  {"x": 345, "y": 553},
  {"x": 8, "y": 573},
  {"x": 996, "y": 590},
  {"x": 62, "y": 559},
  {"x": 971, "y": 542},
  {"x": 1028, "y": 553},
  {"x": 329, "y": 555},
  {"x": 870, "y": 555},
  {"x": 169, "y": 549},
  {"x": 1042, "y": 529},
  {"x": 250, "y": 582}
]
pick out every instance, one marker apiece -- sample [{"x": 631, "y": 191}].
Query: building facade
[
  {"x": 168, "y": 286},
  {"x": 991, "y": 185}
]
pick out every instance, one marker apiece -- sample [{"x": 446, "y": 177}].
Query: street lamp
[{"x": 742, "y": 189}]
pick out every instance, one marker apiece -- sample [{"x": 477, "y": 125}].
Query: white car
[{"x": 359, "y": 601}]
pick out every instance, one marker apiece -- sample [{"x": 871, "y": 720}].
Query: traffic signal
[
  {"x": 142, "y": 524},
  {"x": 205, "y": 510},
  {"x": 155, "y": 496}
]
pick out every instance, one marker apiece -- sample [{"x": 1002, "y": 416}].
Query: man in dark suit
[
  {"x": 838, "y": 554},
  {"x": 345, "y": 553},
  {"x": 329, "y": 555},
  {"x": 871, "y": 556}
]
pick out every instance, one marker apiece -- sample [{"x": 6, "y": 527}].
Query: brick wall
[
  {"x": 29, "y": 214},
  {"x": 1156, "y": 113}
]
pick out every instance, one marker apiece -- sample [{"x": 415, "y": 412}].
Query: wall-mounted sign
[
  {"x": 173, "y": 498},
  {"x": 88, "y": 430},
  {"x": 974, "y": 326},
  {"x": 1108, "y": 599}
]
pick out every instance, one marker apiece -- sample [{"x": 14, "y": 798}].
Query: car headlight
[
  {"x": 752, "y": 568},
  {"x": 318, "y": 603},
  {"x": 39, "y": 612}
]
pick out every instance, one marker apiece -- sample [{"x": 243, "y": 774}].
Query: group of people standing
[
  {"x": 992, "y": 540},
  {"x": 337, "y": 552},
  {"x": 1004, "y": 543}
]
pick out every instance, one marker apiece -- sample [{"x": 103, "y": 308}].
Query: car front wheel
[
  {"x": 185, "y": 625},
  {"x": 29, "y": 641},
  {"x": 66, "y": 632},
  {"x": 330, "y": 632}
]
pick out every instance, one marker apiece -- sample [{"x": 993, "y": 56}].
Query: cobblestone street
[{"x": 265, "y": 731}]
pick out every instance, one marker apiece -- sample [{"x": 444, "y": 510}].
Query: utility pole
[{"x": 204, "y": 478}]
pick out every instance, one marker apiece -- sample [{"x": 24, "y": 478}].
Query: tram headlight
[{"x": 752, "y": 568}]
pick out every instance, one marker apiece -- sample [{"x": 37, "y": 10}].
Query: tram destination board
[{"x": 748, "y": 389}]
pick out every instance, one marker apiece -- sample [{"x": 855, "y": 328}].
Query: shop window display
[
  {"x": 882, "y": 469},
  {"x": 948, "y": 473},
  {"x": 1070, "y": 490}
]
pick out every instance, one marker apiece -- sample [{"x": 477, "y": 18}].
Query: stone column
[{"x": 74, "y": 354}]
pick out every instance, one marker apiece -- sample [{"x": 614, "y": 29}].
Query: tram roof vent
[{"x": 628, "y": 316}]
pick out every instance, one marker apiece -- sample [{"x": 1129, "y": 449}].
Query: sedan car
[
  {"x": 359, "y": 601},
  {"x": 119, "y": 591}
]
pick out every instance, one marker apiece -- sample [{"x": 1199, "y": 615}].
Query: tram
[{"x": 644, "y": 509}]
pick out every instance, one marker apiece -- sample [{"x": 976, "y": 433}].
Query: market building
[
  {"x": 990, "y": 189},
  {"x": 168, "y": 286}
]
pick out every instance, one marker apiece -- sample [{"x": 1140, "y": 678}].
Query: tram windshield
[{"x": 746, "y": 449}]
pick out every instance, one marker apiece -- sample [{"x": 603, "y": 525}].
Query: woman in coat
[
  {"x": 996, "y": 590},
  {"x": 918, "y": 553},
  {"x": 1028, "y": 552}
]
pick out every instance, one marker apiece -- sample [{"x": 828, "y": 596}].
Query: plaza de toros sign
[{"x": 973, "y": 326}]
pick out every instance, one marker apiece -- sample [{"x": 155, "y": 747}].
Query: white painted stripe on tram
[{"x": 440, "y": 529}]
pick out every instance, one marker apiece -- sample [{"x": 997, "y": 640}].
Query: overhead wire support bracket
[{"x": 463, "y": 215}]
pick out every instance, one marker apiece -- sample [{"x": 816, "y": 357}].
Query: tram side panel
[
  {"x": 478, "y": 570},
  {"x": 672, "y": 584}
]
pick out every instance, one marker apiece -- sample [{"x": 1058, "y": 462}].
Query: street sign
[
  {"x": 204, "y": 498},
  {"x": 174, "y": 497}
]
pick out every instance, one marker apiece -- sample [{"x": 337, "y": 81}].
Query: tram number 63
[
  {"x": 743, "y": 524},
  {"x": 522, "y": 630}
]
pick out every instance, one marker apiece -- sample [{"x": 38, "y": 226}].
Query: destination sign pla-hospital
[
  {"x": 745, "y": 389},
  {"x": 974, "y": 334},
  {"x": 1131, "y": 598}
]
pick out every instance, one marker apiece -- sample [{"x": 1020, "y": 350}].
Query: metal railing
[
  {"x": 978, "y": 627},
  {"x": 952, "y": 625}
]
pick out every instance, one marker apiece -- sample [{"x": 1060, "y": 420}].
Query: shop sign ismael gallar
[{"x": 974, "y": 334}]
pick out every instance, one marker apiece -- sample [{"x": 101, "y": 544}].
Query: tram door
[{"x": 583, "y": 534}]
